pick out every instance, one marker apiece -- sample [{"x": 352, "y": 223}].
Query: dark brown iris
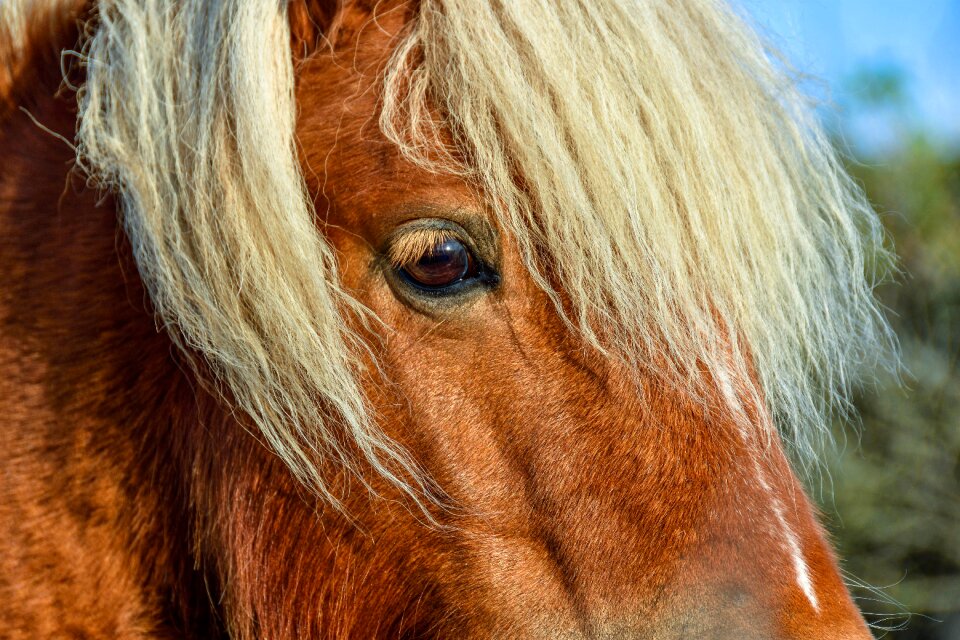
[{"x": 445, "y": 264}]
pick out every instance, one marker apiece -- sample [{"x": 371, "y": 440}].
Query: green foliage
[
  {"x": 878, "y": 86},
  {"x": 895, "y": 509}
]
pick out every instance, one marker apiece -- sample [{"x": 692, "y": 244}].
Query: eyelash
[{"x": 458, "y": 270}]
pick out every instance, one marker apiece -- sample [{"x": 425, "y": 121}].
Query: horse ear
[{"x": 310, "y": 22}]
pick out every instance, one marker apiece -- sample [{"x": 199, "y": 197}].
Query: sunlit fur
[
  {"x": 665, "y": 181},
  {"x": 12, "y": 31},
  {"x": 13, "y": 25}
]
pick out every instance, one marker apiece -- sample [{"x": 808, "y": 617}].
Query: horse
[{"x": 420, "y": 319}]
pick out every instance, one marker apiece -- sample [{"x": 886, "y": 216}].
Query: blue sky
[{"x": 833, "y": 39}]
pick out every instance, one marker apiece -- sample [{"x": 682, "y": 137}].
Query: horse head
[{"x": 476, "y": 320}]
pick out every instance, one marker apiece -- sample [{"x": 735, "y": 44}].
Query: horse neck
[{"x": 97, "y": 413}]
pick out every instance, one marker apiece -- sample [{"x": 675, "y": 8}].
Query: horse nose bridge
[
  {"x": 538, "y": 586},
  {"x": 674, "y": 531},
  {"x": 543, "y": 589},
  {"x": 634, "y": 513}
]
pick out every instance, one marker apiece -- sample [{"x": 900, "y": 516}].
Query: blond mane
[{"x": 650, "y": 159}]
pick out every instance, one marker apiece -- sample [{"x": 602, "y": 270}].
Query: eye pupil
[{"x": 444, "y": 264}]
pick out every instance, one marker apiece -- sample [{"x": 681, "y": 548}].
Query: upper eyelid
[{"x": 409, "y": 246}]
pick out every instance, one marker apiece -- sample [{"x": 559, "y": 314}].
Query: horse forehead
[
  {"x": 337, "y": 91},
  {"x": 346, "y": 156},
  {"x": 348, "y": 58}
]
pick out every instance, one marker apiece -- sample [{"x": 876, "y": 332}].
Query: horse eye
[{"x": 445, "y": 264}]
